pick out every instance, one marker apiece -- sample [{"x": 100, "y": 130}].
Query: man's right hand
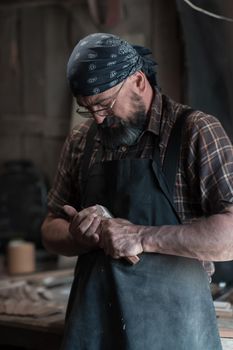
[{"x": 84, "y": 226}]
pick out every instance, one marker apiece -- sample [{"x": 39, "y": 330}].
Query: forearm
[
  {"x": 207, "y": 239},
  {"x": 57, "y": 239}
]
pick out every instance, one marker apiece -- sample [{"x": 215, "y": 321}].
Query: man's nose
[{"x": 98, "y": 119}]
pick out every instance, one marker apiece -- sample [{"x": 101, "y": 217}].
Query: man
[{"x": 164, "y": 172}]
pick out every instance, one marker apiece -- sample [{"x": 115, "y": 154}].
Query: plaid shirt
[{"x": 204, "y": 179}]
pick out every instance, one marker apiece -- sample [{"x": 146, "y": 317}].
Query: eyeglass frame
[{"x": 90, "y": 114}]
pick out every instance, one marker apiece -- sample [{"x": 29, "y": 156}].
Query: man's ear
[{"x": 139, "y": 82}]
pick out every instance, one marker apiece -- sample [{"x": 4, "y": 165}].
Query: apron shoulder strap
[{"x": 173, "y": 150}]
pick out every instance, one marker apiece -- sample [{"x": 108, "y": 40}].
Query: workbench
[
  {"x": 46, "y": 332},
  {"x": 36, "y": 334},
  {"x": 39, "y": 331}
]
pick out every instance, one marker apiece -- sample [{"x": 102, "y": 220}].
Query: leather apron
[{"x": 161, "y": 303}]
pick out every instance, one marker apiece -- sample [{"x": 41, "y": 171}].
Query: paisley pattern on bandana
[{"x": 101, "y": 61}]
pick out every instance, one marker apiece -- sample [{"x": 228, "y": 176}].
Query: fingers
[
  {"x": 89, "y": 224},
  {"x": 84, "y": 225},
  {"x": 70, "y": 211},
  {"x": 89, "y": 229},
  {"x": 85, "y": 222}
]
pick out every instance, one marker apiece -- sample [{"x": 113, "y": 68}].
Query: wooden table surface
[
  {"x": 43, "y": 332},
  {"x": 37, "y": 334},
  {"x": 225, "y": 326},
  {"x": 46, "y": 333}
]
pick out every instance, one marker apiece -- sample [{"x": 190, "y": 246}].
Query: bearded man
[{"x": 165, "y": 173}]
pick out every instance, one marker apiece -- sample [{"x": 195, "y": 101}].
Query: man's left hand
[{"x": 120, "y": 238}]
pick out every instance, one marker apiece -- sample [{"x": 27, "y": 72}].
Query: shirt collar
[{"x": 155, "y": 113}]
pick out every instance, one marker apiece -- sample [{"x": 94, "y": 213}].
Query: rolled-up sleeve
[{"x": 65, "y": 188}]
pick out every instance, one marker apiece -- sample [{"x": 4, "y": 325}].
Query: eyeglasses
[{"x": 103, "y": 112}]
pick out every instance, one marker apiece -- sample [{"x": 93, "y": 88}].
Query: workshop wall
[
  {"x": 36, "y": 39},
  {"x": 34, "y": 97},
  {"x": 208, "y": 57}
]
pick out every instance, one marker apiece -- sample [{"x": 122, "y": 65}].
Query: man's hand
[
  {"x": 84, "y": 226},
  {"x": 120, "y": 238}
]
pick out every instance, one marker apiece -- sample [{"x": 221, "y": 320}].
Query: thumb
[{"x": 70, "y": 211}]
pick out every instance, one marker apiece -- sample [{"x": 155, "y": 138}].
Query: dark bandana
[{"x": 101, "y": 61}]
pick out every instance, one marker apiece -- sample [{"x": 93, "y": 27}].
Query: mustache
[
  {"x": 112, "y": 122},
  {"x": 115, "y": 132}
]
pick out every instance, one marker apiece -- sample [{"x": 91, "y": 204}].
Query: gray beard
[{"x": 123, "y": 133}]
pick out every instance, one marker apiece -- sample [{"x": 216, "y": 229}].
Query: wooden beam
[{"x": 167, "y": 47}]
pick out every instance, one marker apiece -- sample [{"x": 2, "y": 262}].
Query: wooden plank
[
  {"x": 226, "y": 333},
  {"x": 30, "y": 339},
  {"x": 40, "y": 276},
  {"x": 22, "y": 126},
  {"x": 33, "y": 58},
  {"x": 51, "y": 158},
  {"x": 58, "y": 97},
  {"x": 41, "y": 332},
  {"x": 32, "y": 148},
  {"x": 223, "y": 309},
  {"x": 10, "y": 148},
  {"x": 53, "y": 323},
  {"x": 225, "y": 326},
  {"x": 167, "y": 47},
  {"x": 10, "y": 70},
  {"x": 33, "y": 125},
  {"x": 226, "y": 7}
]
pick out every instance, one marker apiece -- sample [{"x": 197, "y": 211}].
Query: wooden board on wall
[
  {"x": 34, "y": 96},
  {"x": 33, "y": 56},
  {"x": 36, "y": 107},
  {"x": 10, "y": 98},
  {"x": 58, "y": 97},
  {"x": 167, "y": 47}
]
